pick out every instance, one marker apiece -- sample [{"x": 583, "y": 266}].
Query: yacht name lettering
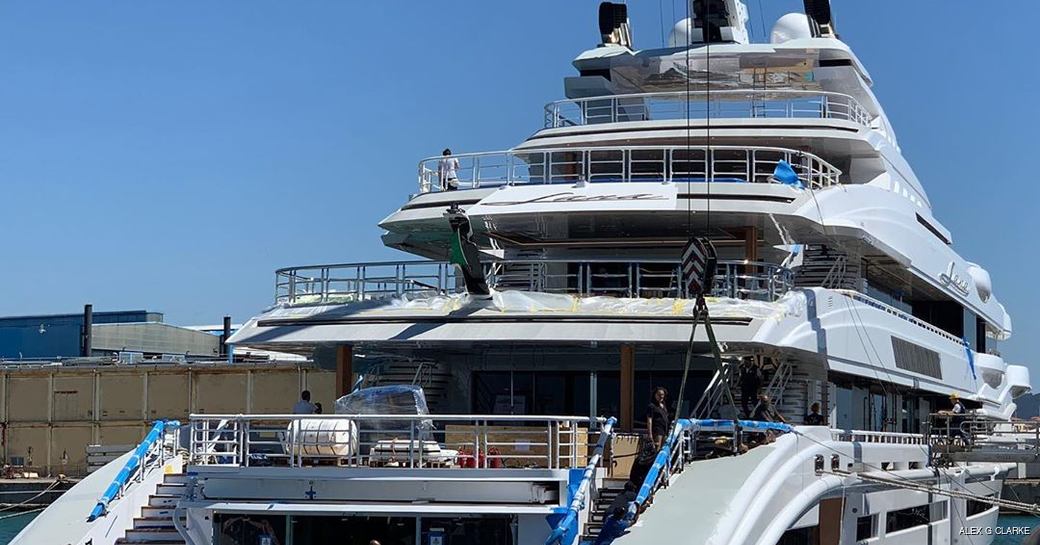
[
  {"x": 572, "y": 197},
  {"x": 952, "y": 279}
]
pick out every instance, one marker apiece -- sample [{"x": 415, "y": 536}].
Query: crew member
[
  {"x": 448, "y": 171},
  {"x": 657, "y": 417},
  {"x": 814, "y": 418},
  {"x": 750, "y": 379},
  {"x": 304, "y": 405}
]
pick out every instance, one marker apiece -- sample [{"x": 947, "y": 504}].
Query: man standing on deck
[
  {"x": 304, "y": 405},
  {"x": 750, "y": 378},
  {"x": 448, "y": 171}
]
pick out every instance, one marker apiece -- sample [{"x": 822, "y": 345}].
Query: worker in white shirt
[
  {"x": 448, "y": 171},
  {"x": 304, "y": 405}
]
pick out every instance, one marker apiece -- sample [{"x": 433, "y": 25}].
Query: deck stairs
[
  {"x": 829, "y": 268},
  {"x": 433, "y": 377},
  {"x": 778, "y": 376},
  {"x": 598, "y": 514},
  {"x": 155, "y": 525}
]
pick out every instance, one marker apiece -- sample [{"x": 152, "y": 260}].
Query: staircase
[
  {"x": 829, "y": 268},
  {"x": 715, "y": 394},
  {"x": 778, "y": 374},
  {"x": 155, "y": 525},
  {"x": 598, "y": 515},
  {"x": 433, "y": 377}
]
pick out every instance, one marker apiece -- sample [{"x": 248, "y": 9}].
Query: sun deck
[{"x": 702, "y": 105}]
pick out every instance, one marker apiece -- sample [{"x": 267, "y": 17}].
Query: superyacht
[{"x": 492, "y": 390}]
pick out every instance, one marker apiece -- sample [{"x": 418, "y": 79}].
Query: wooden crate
[
  {"x": 625, "y": 447},
  {"x": 524, "y": 446}
]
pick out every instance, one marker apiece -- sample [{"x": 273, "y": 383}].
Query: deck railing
[
  {"x": 626, "y": 164},
  {"x": 353, "y": 282},
  {"x": 733, "y": 104},
  {"x": 151, "y": 453},
  {"x": 404, "y": 441},
  {"x": 891, "y": 438}
]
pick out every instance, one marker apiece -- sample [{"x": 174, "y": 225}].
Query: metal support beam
[
  {"x": 88, "y": 331},
  {"x": 628, "y": 382},
  {"x": 751, "y": 248},
  {"x": 344, "y": 370}
]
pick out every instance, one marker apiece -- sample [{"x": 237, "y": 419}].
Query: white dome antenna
[{"x": 792, "y": 26}]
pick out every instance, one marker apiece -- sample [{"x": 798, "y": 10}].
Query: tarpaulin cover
[{"x": 404, "y": 399}]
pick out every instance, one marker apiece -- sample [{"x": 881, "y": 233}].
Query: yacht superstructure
[{"x": 834, "y": 280}]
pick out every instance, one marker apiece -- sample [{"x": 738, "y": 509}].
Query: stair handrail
[
  {"x": 606, "y": 432},
  {"x": 778, "y": 383},
  {"x": 713, "y": 393},
  {"x": 137, "y": 462},
  {"x": 659, "y": 471}
]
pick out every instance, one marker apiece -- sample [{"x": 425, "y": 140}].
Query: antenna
[
  {"x": 821, "y": 22},
  {"x": 614, "y": 25}
]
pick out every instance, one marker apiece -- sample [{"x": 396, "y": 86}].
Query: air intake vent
[{"x": 916, "y": 358}]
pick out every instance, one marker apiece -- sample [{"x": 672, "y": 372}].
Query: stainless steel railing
[
  {"x": 353, "y": 282},
  {"x": 732, "y": 104},
  {"x": 625, "y": 164},
  {"x": 395, "y": 440}
]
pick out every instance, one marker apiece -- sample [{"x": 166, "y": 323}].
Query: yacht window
[
  {"x": 931, "y": 229},
  {"x": 235, "y": 528},
  {"x": 866, "y": 527},
  {"x": 977, "y": 507},
  {"x": 980, "y": 335},
  {"x": 970, "y": 328},
  {"x": 799, "y": 536},
  {"x": 946, "y": 315},
  {"x": 911, "y": 517}
]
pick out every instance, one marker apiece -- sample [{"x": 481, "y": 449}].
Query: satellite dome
[
  {"x": 983, "y": 283},
  {"x": 680, "y": 35},
  {"x": 792, "y": 26}
]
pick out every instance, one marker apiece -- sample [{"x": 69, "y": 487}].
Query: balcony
[
  {"x": 394, "y": 440},
  {"x": 355, "y": 282},
  {"x": 631, "y": 164},
  {"x": 701, "y": 105}
]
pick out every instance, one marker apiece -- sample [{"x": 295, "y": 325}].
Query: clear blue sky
[{"x": 171, "y": 155}]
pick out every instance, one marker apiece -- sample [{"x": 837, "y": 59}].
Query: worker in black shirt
[
  {"x": 814, "y": 418},
  {"x": 612, "y": 525},
  {"x": 657, "y": 417},
  {"x": 750, "y": 379},
  {"x": 766, "y": 412}
]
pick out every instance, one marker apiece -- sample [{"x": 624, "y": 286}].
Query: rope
[
  {"x": 25, "y": 502},
  {"x": 911, "y": 485},
  {"x": 13, "y": 515},
  {"x": 952, "y": 483}
]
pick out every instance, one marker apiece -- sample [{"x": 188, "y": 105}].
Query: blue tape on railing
[
  {"x": 971, "y": 358},
  {"x": 132, "y": 464},
  {"x": 665, "y": 454},
  {"x": 566, "y": 527}
]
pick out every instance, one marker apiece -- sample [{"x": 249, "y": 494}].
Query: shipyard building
[{"x": 130, "y": 333}]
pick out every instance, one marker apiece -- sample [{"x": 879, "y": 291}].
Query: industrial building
[{"x": 132, "y": 333}]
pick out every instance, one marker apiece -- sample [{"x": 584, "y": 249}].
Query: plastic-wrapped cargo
[{"x": 403, "y": 399}]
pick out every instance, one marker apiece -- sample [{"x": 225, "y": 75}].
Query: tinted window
[
  {"x": 866, "y": 527},
  {"x": 976, "y": 507},
  {"x": 906, "y": 518}
]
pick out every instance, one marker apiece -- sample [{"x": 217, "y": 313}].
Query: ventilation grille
[{"x": 916, "y": 358}]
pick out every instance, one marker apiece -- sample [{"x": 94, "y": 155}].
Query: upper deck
[{"x": 705, "y": 105}]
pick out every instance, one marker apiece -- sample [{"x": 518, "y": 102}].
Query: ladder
[
  {"x": 780, "y": 372},
  {"x": 715, "y": 392}
]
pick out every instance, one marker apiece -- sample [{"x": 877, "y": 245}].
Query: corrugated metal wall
[{"x": 50, "y": 414}]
